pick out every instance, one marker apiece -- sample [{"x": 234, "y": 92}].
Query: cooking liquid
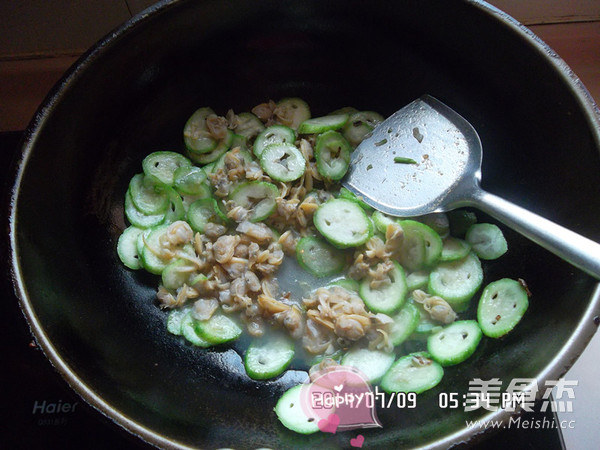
[{"x": 299, "y": 283}]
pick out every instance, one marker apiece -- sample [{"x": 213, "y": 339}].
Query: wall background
[
  {"x": 39, "y": 40},
  {"x": 34, "y": 28}
]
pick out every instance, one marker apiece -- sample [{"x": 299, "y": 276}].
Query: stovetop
[{"x": 41, "y": 411}]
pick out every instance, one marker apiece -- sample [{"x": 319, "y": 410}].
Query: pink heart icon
[
  {"x": 330, "y": 424},
  {"x": 357, "y": 441}
]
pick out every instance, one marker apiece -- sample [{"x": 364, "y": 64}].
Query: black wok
[{"x": 130, "y": 94}]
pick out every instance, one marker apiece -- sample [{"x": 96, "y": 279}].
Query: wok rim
[{"x": 557, "y": 367}]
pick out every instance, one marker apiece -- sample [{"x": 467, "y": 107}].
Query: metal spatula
[{"x": 427, "y": 158}]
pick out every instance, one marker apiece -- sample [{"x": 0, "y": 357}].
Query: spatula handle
[{"x": 579, "y": 251}]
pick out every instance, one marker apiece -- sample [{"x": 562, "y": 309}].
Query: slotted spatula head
[{"x": 424, "y": 158}]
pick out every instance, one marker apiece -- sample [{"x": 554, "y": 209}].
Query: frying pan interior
[{"x": 131, "y": 94}]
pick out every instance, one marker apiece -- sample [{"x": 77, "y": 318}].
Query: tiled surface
[{"x": 585, "y": 432}]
